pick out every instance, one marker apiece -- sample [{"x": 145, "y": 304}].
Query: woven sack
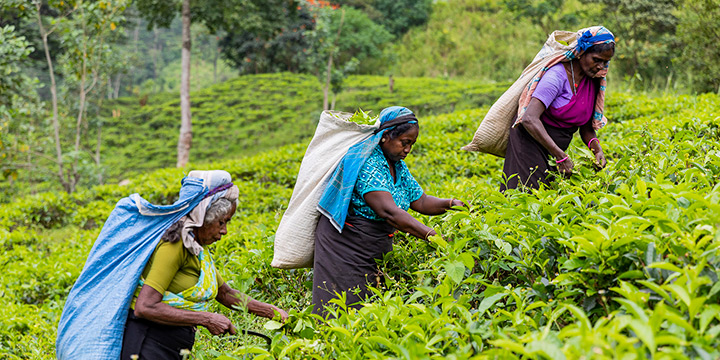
[
  {"x": 295, "y": 236},
  {"x": 492, "y": 135}
]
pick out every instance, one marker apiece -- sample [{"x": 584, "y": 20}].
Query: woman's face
[
  {"x": 399, "y": 147},
  {"x": 214, "y": 231},
  {"x": 593, "y": 63}
]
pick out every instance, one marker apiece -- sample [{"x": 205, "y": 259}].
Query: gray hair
[{"x": 217, "y": 210}]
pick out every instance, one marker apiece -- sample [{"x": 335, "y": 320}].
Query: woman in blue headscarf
[{"x": 364, "y": 204}]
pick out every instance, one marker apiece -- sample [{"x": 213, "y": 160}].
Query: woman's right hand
[
  {"x": 218, "y": 324},
  {"x": 566, "y": 167}
]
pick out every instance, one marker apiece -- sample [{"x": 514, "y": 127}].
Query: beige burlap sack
[
  {"x": 492, "y": 135},
  {"x": 295, "y": 236}
]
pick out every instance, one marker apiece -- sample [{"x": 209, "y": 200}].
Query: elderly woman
[
  {"x": 365, "y": 203},
  {"x": 177, "y": 284},
  {"x": 150, "y": 277},
  {"x": 564, "y": 100}
]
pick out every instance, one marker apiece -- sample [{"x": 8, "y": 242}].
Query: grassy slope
[
  {"x": 255, "y": 113},
  {"x": 656, "y": 201}
]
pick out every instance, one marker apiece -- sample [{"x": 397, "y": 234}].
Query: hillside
[
  {"x": 619, "y": 264},
  {"x": 254, "y": 113}
]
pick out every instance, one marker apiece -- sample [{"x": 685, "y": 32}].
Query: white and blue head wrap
[{"x": 220, "y": 184}]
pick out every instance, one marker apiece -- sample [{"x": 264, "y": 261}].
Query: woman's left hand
[
  {"x": 456, "y": 202},
  {"x": 600, "y": 161}
]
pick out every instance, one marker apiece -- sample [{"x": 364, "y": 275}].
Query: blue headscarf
[
  {"x": 335, "y": 200},
  {"x": 598, "y": 35}
]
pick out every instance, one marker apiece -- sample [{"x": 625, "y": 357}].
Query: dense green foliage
[
  {"x": 617, "y": 264},
  {"x": 646, "y": 36},
  {"x": 699, "y": 32},
  {"x": 259, "y": 112},
  {"x": 469, "y": 38}
]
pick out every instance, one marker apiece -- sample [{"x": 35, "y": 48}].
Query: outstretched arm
[
  {"x": 231, "y": 298},
  {"x": 149, "y": 306},
  {"x": 430, "y": 205},
  {"x": 383, "y": 204}
]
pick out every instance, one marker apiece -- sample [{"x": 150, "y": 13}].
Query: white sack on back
[
  {"x": 295, "y": 236},
  {"x": 492, "y": 135}
]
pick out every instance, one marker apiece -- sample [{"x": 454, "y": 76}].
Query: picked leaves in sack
[{"x": 363, "y": 118}]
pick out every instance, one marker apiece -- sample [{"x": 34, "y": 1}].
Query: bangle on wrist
[
  {"x": 591, "y": 140},
  {"x": 451, "y": 203},
  {"x": 427, "y": 235},
  {"x": 561, "y": 160}
]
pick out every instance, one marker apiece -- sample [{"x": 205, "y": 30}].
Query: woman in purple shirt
[{"x": 562, "y": 103}]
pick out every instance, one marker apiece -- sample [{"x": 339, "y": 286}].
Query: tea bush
[
  {"x": 622, "y": 263},
  {"x": 255, "y": 113}
]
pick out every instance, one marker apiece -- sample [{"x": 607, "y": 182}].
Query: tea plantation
[
  {"x": 260, "y": 112},
  {"x": 622, "y": 263}
]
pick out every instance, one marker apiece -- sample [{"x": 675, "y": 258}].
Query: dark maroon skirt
[
  {"x": 347, "y": 261},
  {"x": 528, "y": 160}
]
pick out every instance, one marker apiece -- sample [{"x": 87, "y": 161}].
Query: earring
[{"x": 382, "y": 140}]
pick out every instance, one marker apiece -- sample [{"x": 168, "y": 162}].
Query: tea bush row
[
  {"x": 617, "y": 264},
  {"x": 255, "y": 113}
]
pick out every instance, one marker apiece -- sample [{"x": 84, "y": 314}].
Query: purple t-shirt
[
  {"x": 554, "y": 88},
  {"x": 562, "y": 108}
]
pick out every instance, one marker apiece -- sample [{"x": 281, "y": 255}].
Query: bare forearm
[
  {"x": 587, "y": 133},
  {"x": 233, "y": 299},
  {"x": 535, "y": 128},
  {"x": 165, "y": 314},
  {"x": 430, "y": 205},
  {"x": 404, "y": 222}
]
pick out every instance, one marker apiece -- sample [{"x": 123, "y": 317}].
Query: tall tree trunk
[
  {"x": 326, "y": 89},
  {"x": 215, "y": 60},
  {"x": 328, "y": 76},
  {"x": 185, "y": 140},
  {"x": 116, "y": 92},
  {"x": 53, "y": 91},
  {"x": 99, "y": 140},
  {"x": 109, "y": 87}
]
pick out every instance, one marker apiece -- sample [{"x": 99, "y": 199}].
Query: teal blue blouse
[{"x": 375, "y": 176}]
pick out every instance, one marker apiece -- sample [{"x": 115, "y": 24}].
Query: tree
[
  {"x": 547, "y": 14},
  {"x": 85, "y": 27},
  {"x": 342, "y": 39},
  {"x": 645, "y": 32},
  {"x": 185, "y": 140},
  {"x": 253, "y": 52},
  {"x": 699, "y": 33},
  {"x": 228, "y": 15},
  {"x": 17, "y": 101},
  {"x": 396, "y": 16}
]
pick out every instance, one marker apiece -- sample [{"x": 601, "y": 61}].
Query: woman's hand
[
  {"x": 456, "y": 202},
  {"x": 218, "y": 324},
  {"x": 566, "y": 167},
  {"x": 600, "y": 161},
  {"x": 278, "y": 311}
]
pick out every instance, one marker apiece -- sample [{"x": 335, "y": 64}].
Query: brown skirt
[
  {"x": 529, "y": 160},
  {"x": 347, "y": 261}
]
